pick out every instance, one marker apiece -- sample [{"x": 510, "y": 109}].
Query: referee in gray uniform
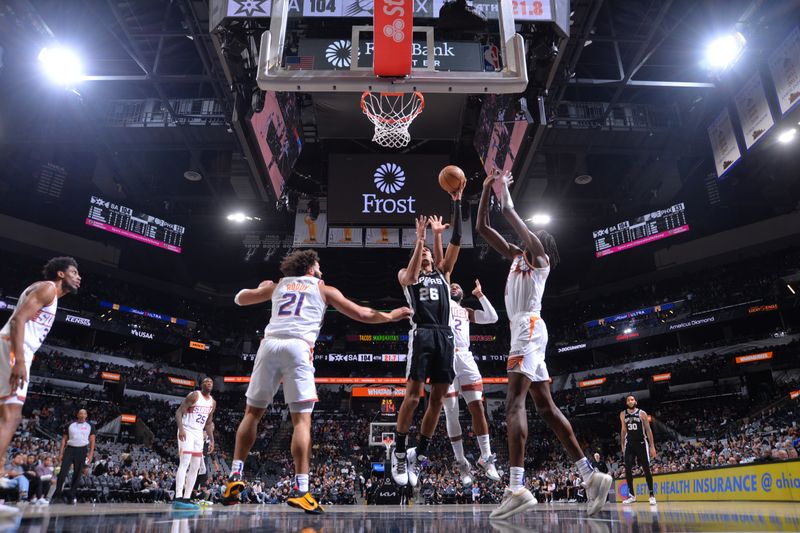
[{"x": 77, "y": 449}]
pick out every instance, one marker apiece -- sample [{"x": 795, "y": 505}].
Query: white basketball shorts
[
  {"x": 289, "y": 360},
  {"x": 7, "y": 396},
  {"x": 193, "y": 445},
  {"x": 528, "y": 344},
  {"x": 468, "y": 381}
]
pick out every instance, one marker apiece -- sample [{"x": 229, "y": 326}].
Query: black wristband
[{"x": 456, "y": 237}]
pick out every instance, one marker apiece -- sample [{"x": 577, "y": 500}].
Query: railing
[
  {"x": 151, "y": 113},
  {"x": 631, "y": 117}
]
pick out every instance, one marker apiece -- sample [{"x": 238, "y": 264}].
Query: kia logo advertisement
[{"x": 380, "y": 189}]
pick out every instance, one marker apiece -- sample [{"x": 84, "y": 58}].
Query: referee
[{"x": 77, "y": 450}]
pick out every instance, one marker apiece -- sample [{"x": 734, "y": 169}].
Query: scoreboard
[
  {"x": 640, "y": 230},
  {"x": 125, "y": 221}
]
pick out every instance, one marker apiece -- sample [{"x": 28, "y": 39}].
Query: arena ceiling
[{"x": 626, "y": 102}]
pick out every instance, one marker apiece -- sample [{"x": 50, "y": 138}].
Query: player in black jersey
[
  {"x": 636, "y": 439},
  {"x": 427, "y": 288}
]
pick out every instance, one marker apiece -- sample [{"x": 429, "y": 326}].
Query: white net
[{"x": 392, "y": 114}]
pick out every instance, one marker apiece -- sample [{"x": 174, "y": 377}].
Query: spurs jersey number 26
[
  {"x": 429, "y": 297},
  {"x": 297, "y": 309}
]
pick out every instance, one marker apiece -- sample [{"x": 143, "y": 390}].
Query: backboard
[{"x": 275, "y": 74}]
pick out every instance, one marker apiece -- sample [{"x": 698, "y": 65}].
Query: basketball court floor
[{"x": 567, "y": 518}]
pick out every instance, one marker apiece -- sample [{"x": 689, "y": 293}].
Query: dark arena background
[{"x": 178, "y": 150}]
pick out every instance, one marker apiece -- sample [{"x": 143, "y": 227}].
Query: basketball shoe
[
  {"x": 514, "y": 502},
  {"x": 415, "y": 464},
  {"x": 399, "y": 468},
  {"x": 465, "y": 471},
  {"x": 304, "y": 501},
  {"x": 487, "y": 464},
  {"x": 230, "y": 496},
  {"x": 597, "y": 491}
]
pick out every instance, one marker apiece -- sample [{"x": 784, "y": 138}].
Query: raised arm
[
  {"x": 409, "y": 275},
  {"x": 39, "y": 296},
  {"x": 648, "y": 431},
  {"x": 623, "y": 432},
  {"x": 485, "y": 315},
  {"x": 187, "y": 404},
  {"x": 437, "y": 228},
  {"x": 255, "y": 296},
  {"x": 360, "y": 313},
  {"x": 484, "y": 228},
  {"x": 451, "y": 255},
  {"x": 531, "y": 241}
]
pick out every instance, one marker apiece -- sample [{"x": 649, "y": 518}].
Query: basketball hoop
[{"x": 392, "y": 114}]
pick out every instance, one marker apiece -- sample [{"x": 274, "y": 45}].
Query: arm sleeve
[
  {"x": 487, "y": 315},
  {"x": 456, "y": 237}
]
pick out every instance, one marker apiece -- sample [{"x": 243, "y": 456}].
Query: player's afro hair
[
  {"x": 298, "y": 263},
  {"x": 56, "y": 265}
]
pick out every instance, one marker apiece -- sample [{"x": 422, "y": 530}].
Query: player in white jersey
[
  {"x": 527, "y": 372},
  {"x": 195, "y": 418},
  {"x": 469, "y": 384},
  {"x": 299, "y": 301},
  {"x": 468, "y": 381},
  {"x": 22, "y": 336}
]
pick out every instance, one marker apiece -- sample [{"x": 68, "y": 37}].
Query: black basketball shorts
[{"x": 432, "y": 352}]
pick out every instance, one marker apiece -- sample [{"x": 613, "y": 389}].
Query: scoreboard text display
[
  {"x": 124, "y": 221},
  {"x": 640, "y": 230}
]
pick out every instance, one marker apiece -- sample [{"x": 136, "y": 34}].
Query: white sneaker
[
  {"x": 465, "y": 471},
  {"x": 42, "y": 502},
  {"x": 8, "y": 510},
  {"x": 652, "y": 500},
  {"x": 597, "y": 491},
  {"x": 487, "y": 464},
  {"x": 414, "y": 465},
  {"x": 399, "y": 469},
  {"x": 629, "y": 500},
  {"x": 514, "y": 503}
]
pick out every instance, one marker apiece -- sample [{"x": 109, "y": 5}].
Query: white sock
[
  {"x": 585, "y": 469},
  {"x": 516, "y": 474},
  {"x": 191, "y": 478},
  {"x": 483, "y": 444},
  {"x": 237, "y": 467},
  {"x": 180, "y": 475},
  {"x": 302, "y": 482},
  {"x": 458, "y": 449}
]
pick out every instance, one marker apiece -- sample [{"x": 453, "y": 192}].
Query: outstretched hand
[
  {"x": 400, "y": 313},
  {"x": 436, "y": 224},
  {"x": 477, "y": 292},
  {"x": 422, "y": 222}
]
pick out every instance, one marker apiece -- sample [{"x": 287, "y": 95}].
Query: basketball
[{"x": 452, "y": 178}]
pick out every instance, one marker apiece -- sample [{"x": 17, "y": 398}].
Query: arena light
[
  {"x": 627, "y": 330},
  {"x": 61, "y": 65},
  {"x": 791, "y": 289},
  {"x": 240, "y": 217},
  {"x": 785, "y": 137},
  {"x": 723, "y": 51},
  {"x": 540, "y": 219}
]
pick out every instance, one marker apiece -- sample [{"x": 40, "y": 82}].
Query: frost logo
[
  {"x": 389, "y": 178},
  {"x": 338, "y": 53}
]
